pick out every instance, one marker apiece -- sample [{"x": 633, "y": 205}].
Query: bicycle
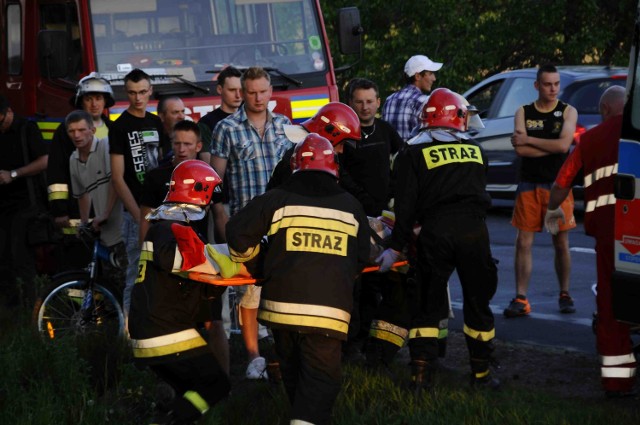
[{"x": 76, "y": 304}]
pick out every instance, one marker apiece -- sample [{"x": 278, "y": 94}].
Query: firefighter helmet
[
  {"x": 336, "y": 122},
  {"x": 193, "y": 182},
  {"x": 445, "y": 109},
  {"x": 93, "y": 83},
  {"x": 315, "y": 153}
]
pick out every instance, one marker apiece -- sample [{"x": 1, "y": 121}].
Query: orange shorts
[{"x": 531, "y": 206}]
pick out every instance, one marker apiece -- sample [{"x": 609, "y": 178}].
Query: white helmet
[{"x": 93, "y": 83}]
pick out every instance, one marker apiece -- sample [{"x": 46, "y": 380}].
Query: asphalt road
[{"x": 545, "y": 325}]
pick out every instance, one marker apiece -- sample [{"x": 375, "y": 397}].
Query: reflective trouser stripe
[
  {"x": 480, "y": 335},
  {"x": 480, "y": 375},
  {"x": 57, "y": 192},
  {"x": 197, "y": 401},
  {"x": 443, "y": 333},
  {"x": 424, "y": 333},
  {"x": 304, "y": 320},
  {"x": 388, "y": 332},
  {"x": 618, "y": 372},
  {"x": 299, "y": 422},
  {"x": 167, "y": 344},
  {"x": 617, "y": 360}
]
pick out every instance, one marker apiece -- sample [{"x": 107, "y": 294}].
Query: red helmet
[
  {"x": 445, "y": 109},
  {"x": 336, "y": 122},
  {"x": 193, "y": 182},
  {"x": 314, "y": 153}
]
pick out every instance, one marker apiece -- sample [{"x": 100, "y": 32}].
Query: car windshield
[
  {"x": 585, "y": 95},
  {"x": 189, "y": 38}
]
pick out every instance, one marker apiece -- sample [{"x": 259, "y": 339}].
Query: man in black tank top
[{"x": 543, "y": 134}]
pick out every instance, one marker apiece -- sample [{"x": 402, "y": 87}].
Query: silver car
[{"x": 499, "y": 96}]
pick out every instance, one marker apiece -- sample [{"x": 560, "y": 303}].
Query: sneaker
[
  {"x": 519, "y": 307},
  {"x": 565, "y": 302},
  {"x": 257, "y": 369}
]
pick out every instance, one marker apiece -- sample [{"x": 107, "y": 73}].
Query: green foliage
[{"x": 478, "y": 38}]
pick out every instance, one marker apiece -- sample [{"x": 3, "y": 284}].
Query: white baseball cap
[{"x": 419, "y": 63}]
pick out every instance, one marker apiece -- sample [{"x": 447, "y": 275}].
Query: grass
[{"x": 94, "y": 382}]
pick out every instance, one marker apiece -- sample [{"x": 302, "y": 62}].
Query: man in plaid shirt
[
  {"x": 402, "y": 109},
  {"x": 249, "y": 144}
]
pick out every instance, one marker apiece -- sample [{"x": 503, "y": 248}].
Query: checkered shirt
[
  {"x": 250, "y": 160},
  {"x": 403, "y": 110}
]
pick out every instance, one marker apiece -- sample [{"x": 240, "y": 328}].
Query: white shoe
[{"x": 257, "y": 369}]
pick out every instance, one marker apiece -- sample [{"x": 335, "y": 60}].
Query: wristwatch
[{"x": 13, "y": 174}]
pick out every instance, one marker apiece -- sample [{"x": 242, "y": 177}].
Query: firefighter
[
  {"x": 165, "y": 302},
  {"x": 441, "y": 178},
  {"x": 317, "y": 243}
]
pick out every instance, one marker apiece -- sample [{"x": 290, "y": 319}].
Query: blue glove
[{"x": 386, "y": 259}]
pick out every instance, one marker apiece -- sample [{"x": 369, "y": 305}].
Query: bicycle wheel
[{"x": 72, "y": 308}]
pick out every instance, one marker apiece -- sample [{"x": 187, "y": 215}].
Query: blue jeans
[{"x": 130, "y": 235}]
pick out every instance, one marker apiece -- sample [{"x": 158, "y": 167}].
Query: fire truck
[
  {"x": 50, "y": 44},
  {"x": 626, "y": 278}
]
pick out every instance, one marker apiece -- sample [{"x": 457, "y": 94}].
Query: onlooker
[
  {"x": 402, "y": 109},
  {"x": 90, "y": 172},
  {"x": 249, "y": 144},
  {"x": 170, "y": 110},
  {"x": 23, "y": 153},
  {"x": 186, "y": 145},
  {"x": 369, "y": 179},
  {"x": 441, "y": 178},
  {"x": 598, "y": 151},
  {"x": 543, "y": 134},
  {"x": 163, "y": 330},
  {"x": 229, "y": 89},
  {"x": 93, "y": 94},
  {"x": 307, "y": 289},
  {"x": 134, "y": 149}
]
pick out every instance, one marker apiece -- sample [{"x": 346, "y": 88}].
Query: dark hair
[
  {"x": 547, "y": 67},
  {"x": 254, "y": 73},
  {"x": 162, "y": 104},
  {"x": 136, "y": 76},
  {"x": 361, "y": 84},
  {"x": 186, "y": 125},
  {"x": 4, "y": 104},
  {"x": 77, "y": 116},
  {"x": 228, "y": 72}
]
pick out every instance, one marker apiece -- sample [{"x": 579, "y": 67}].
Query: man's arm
[
  {"x": 84, "y": 206},
  {"x": 219, "y": 164},
  {"x": 220, "y": 219},
  {"x": 527, "y": 145},
  {"x": 144, "y": 224},
  {"x": 121, "y": 188}
]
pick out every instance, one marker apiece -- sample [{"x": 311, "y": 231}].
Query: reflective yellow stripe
[
  {"x": 480, "y": 335},
  {"x": 443, "y": 333},
  {"x": 385, "y": 335},
  {"x": 146, "y": 253},
  {"x": 58, "y": 191},
  {"x": 618, "y": 372},
  {"x": 600, "y": 173},
  {"x": 305, "y": 309},
  {"x": 69, "y": 230},
  {"x": 617, "y": 360},
  {"x": 58, "y": 196},
  {"x": 244, "y": 256},
  {"x": 167, "y": 344},
  {"x": 304, "y": 321},
  {"x": 481, "y": 375},
  {"x": 197, "y": 401},
  {"x": 424, "y": 333},
  {"x": 314, "y": 217}
]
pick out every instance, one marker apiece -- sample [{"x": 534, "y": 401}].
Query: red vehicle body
[{"x": 51, "y": 44}]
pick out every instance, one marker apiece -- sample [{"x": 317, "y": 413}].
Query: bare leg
[
  {"x": 562, "y": 259},
  {"x": 523, "y": 261},
  {"x": 249, "y": 328}
]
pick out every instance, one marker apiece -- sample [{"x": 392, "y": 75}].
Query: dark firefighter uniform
[
  {"x": 162, "y": 320},
  {"x": 441, "y": 186},
  {"x": 318, "y": 241}
]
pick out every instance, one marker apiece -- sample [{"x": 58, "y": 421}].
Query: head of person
[
  {"x": 170, "y": 111},
  {"x": 137, "y": 85},
  {"x": 364, "y": 98},
  {"x": 185, "y": 141},
  {"x": 80, "y": 128},
  {"x": 334, "y": 121},
  {"x": 191, "y": 188},
  {"x": 547, "y": 83},
  {"x": 420, "y": 71},
  {"x": 256, "y": 89},
  {"x": 447, "y": 110},
  {"x": 6, "y": 113},
  {"x": 230, "y": 89},
  {"x": 612, "y": 102},
  {"x": 93, "y": 94},
  {"x": 314, "y": 153}
]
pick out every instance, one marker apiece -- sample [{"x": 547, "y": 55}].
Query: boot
[{"x": 421, "y": 376}]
